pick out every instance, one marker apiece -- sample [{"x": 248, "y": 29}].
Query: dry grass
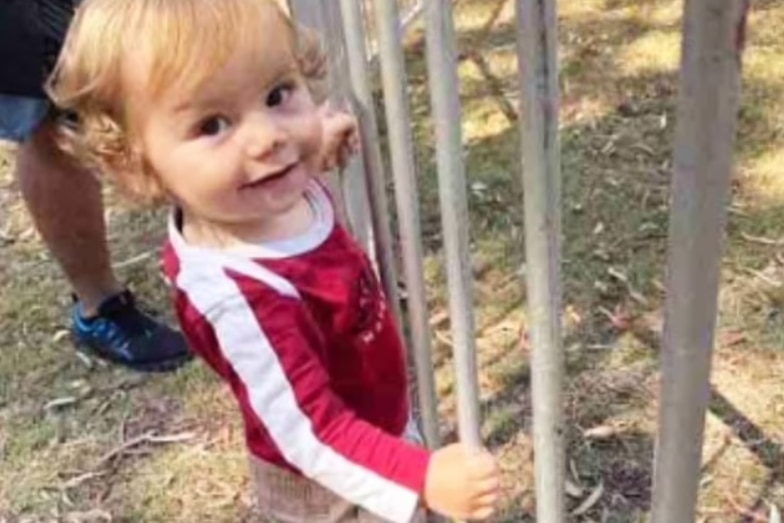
[{"x": 619, "y": 60}]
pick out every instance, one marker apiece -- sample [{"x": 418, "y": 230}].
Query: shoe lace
[{"x": 125, "y": 317}]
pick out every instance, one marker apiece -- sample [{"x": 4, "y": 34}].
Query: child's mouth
[{"x": 269, "y": 179}]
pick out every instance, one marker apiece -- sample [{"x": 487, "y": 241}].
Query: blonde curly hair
[{"x": 187, "y": 40}]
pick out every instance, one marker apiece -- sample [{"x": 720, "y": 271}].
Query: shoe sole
[{"x": 157, "y": 367}]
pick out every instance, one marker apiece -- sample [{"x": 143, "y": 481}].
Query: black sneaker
[{"x": 121, "y": 333}]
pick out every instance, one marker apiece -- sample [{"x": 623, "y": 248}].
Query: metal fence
[
  {"x": 408, "y": 12},
  {"x": 706, "y": 119}
]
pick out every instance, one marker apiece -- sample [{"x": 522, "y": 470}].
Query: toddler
[{"x": 206, "y": 105}]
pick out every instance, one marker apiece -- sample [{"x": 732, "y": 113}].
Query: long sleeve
[{"x": 272, "y": 351}]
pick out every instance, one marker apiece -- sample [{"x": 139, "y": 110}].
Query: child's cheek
[{"x": 314, "y": 137}]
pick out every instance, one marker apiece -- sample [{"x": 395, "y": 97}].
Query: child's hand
[
  {"x": 340, "y": 139},
  {"x": 462, "y": 483}
]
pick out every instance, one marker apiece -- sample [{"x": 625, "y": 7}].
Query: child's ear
[
  {"x": 137, "y": 179},
  {"x": 152, "y": 190}
]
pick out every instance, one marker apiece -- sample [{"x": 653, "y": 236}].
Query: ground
[{"x": 83, "y": 442}]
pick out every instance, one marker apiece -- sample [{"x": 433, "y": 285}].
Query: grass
[{"x": 619, "y": 79}]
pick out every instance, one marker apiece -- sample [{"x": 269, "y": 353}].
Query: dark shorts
[
  {"x": 20, "y": 116},
  {"x": 31, "y": 35}
]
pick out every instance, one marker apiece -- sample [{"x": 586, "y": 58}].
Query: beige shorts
[{"x": 285, "y": 497}]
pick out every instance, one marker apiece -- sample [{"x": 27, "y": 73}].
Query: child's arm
[
  {"x": 262, "y": 339},
  {"x": 271, "y": 348},
  {"x": 269, "y": 345}
]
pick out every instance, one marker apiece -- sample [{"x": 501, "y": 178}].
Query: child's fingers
[
  {"x": 483, "y": 466},
  {"x": 482, "y": 514},
  {"x": 354, "y": 144},
  {"x": 487, "y": 500},
  {"x": 342, "y": 123},
  {"x": 487, "y": 486},
  {"x": 346, "y": 153},
  {"x": 342, "y": 160},
  {"x": 329, "y": 162}
]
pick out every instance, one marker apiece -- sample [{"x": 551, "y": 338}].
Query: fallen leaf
[
  {"x": 90, "y": 516},
  {"x": 86, "y": 361},
  {"x": 573, "y": 470},
  {"x": 638, "y": 297},
  {"x": 618, "y": 274},
  {"x": 60, "y": 402},
  {"x": 573, "y": 490},
  {"x": 774, "y": 516},
  {"x": 439, "y": 318},
  {"x": 524, "y": 341},
  {"x": 600, "y": 432},
  {"x": 60, "y": 335},
  {"x": 619, "y": 319},
  {"x": 590, "y": 501},
  {"x": 729, "y": 339}
]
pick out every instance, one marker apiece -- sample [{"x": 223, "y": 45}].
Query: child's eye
[
  {"x": 279, "y": 94},
  {"x": 213, "y": 126}
]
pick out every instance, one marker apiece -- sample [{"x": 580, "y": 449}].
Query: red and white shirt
[{"x": 301, "y": 332}]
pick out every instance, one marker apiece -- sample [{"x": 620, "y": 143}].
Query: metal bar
[
  {"x": 355, "y": 179},
  {"x": 538, "y": 66},
  {"x": 704, "y": 137},
  {"x": 443, "y": 81},
  {"x": 410, "y": 15},
  {"x": 350, "y": 186},
  {"x": 371, "y": 148},
  {"x": 401, "y": 148}
]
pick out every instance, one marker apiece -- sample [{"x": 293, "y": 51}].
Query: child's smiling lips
[{"x": 270, "y": 177}]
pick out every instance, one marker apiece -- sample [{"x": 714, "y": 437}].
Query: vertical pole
[
  {"x": 406, "y": 196},
  {"x": 538, "y": 64},
  {"x": 359, "y": 77},
  {"x": 352, "y": 187},
  {"x": 704, "y": 137},
  {"x": 355, "y": 179},
  {"x": 443, "y": 80}
]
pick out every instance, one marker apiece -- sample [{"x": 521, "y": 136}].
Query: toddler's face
[{"x": 241, "y": 146}]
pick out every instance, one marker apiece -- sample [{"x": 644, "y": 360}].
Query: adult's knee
[{"x": 41, "y": 162}]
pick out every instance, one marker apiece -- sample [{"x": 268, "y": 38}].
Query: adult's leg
[{"x": 65, "y": 202}]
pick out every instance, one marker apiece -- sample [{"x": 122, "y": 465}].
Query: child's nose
[{"x": 265, "y": 135}]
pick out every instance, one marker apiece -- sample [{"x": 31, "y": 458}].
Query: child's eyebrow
[{"x": 193, "y": 101}]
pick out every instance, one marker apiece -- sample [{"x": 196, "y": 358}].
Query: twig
[
  {"x": 737, "y": 211},
  {"x": 761, "y": 240},
  {"x": 763, "y": 277},
  {"x": 133, "y": 260},
  {"x": 90, "y": 515},
  {"x": 443, "y": 338},
  {"x": 78, "y": 480},
  {"x": 753, "y": 515},
  {"x": 61, "y": 402},
  {"x": 103, "y": 406},
  {"x": 147, "y": 437},
  {"x": 172, "y": 438},
  {"x": 598, "y": 346},
  {"x": 138, "y": 440}
]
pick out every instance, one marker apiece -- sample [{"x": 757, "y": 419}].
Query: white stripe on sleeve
[{"x": 247, "y": 349}]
